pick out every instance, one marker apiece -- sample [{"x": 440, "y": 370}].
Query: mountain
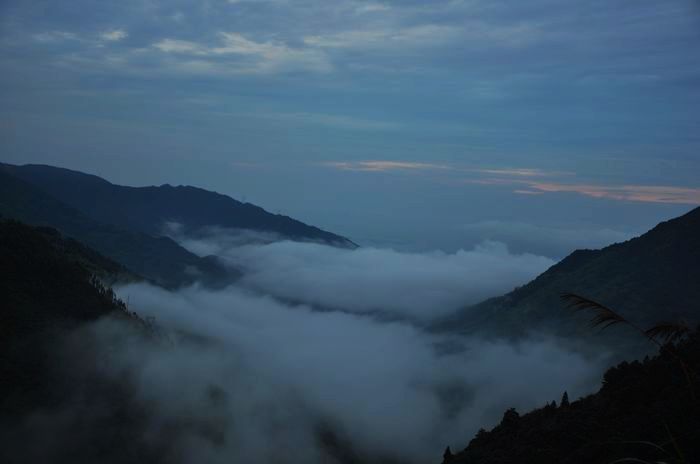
[
  {"x": 47, "y": 286},
  {"x": 644, "y": 412},
  {"x": 157, "y": 258},
  {"x": 148, "y": 209},
  {"x": 51, "y": 275},
  {"x": 647, "y": 279},
  {"x": 57, "y": 404}
]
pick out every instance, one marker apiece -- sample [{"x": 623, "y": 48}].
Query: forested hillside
[
  {"x": 157, "y": 258},
  {"x": 50, "y": 378},
  {"x": 147, "y": 209},
  {"x": 648, "y": 279},
  {"x": 645, "y": 412}
]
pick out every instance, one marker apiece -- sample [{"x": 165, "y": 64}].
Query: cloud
[
  {"x": 255, "y": 1},
  {"x": 256, "y": 57},
  {"x": 414, "y": 286},
  {"x": 425, "y": 34},
  {"x": 520, "y": 172},
  {"x": 214, "y": 240},
  {"x": 55, "y": 36},
  {"x": 525, "y": 183},
  {"x": 271, "y": 380},
  {"x": 238, "y": 374},
  {"x": 527, "y": 192},
  {"x": 332, "y": 120},
  {"x": 114, "y": 35},
  {"x": 383, "y": 166},
  {"x": 554, "y": 240},
  {"x": 641, "y": 193},
  {"x": 179, "y": 46},
  {"x": 372, "y": 8},
  {"x": 503, "y": 174}
]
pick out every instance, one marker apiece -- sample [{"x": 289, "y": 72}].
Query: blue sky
[{"x": 545, "y": 124}]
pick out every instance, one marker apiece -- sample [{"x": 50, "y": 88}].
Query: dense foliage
[
  {"x": 646, "y": 410},
  {"x": 50, "y": 384}
]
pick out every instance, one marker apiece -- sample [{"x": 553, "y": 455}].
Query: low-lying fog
[{"x": 317, "y": 353}]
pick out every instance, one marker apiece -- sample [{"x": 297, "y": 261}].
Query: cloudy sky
[{"x": 546, "y": 125}]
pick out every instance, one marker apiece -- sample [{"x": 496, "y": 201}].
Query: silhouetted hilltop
[
  {"x": 648, "y": 279},
  {"x": 158, "y": 258},
  {"x": 645, "y": 411},
  {"x": 147, "y": 209}
]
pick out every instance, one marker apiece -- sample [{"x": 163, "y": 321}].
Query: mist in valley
[{"x": 318, "y": 354}]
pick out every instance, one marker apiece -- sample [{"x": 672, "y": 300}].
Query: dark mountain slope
[
  {"x": 650, "y": 278},
  {"x": 56, "y": 405},
  {"x": 147, "y": 209},
  {"x": 645, "y": 412},
  {"x": 47, "y": 285},
  {"x": 157, "y": 258}
]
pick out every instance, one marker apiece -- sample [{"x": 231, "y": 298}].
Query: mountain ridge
[
  {"x": 160, "y": 259},
  {"x": 646, "y": 278},
  {"x": 148, "y": 208}
]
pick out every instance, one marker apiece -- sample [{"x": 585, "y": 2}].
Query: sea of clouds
[{"x": 318, "y": 354}]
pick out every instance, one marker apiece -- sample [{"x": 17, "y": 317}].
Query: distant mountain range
[
  {"x": 148, "y": 209},
  {"x": 647, "y": 279},
  {"x": 126, "y": 223},
  {"x": 159, "y": 259}
]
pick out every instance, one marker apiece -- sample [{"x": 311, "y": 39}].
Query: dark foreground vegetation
[
  {"x": 645, "y": 411},
  {"x": 55, "y": 405}
]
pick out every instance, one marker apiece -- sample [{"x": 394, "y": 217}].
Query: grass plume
[{"x": 662, "y": 334}]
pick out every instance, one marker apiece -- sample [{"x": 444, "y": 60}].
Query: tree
[
  {"x": 565, "y": 400},
  {"x": 447, "y": 455},
  {"x": 510, "y": 418}
]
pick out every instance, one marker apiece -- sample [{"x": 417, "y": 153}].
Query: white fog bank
[{"x": 388, "y": 389}]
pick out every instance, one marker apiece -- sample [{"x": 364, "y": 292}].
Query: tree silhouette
[
  {"x": 447, "y": 455},
  {"x": 565, "y": 400}
]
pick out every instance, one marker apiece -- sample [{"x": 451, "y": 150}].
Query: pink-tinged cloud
[
  {"x": 385, "y": 165},
  {"x": 528, "y": 192},
  {"x": 520, "y": 172},
  {"x": 492, "y": 181},
  {"x": 643, "y": 193},
  {"x": 382, "y": 166},
  {"x": 528, "y": 181}
]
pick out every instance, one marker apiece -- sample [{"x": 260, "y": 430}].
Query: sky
[{"x": 544, "y": 125}]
